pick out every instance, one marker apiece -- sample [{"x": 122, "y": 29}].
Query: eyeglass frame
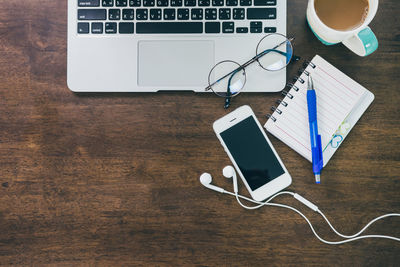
[{"x": 247, "y": 63}]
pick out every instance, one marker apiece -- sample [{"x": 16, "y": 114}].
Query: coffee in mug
[{"x": 342, "y": 15}]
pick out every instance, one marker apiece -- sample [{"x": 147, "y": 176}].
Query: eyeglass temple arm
[{"x": 228, "y": 90}]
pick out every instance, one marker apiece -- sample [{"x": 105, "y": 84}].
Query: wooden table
[{"x": 113, "y": 179}]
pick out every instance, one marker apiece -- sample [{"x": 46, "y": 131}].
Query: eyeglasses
[{"x": 227, "y": 78}]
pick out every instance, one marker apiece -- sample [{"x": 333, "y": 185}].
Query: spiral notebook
[{"x": 340, "y": 103}]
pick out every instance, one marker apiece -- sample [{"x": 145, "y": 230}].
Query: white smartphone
[{"x": 252, "y": 154}]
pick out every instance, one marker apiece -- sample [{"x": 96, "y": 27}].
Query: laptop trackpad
[{"x": 175, "y": 63}]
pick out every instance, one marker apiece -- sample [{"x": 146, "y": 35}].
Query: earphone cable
[
  {"x": 262, "y": 203},
  {"x": 350, "y": 238},
  {"x": 362, "y": 230}
]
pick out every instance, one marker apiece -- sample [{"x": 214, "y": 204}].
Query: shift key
[
  {"x": 92, "y": 14},
  {"x": 261, "y": 13}
]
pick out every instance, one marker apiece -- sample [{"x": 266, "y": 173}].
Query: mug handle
[{"x": 363, "y": 43}]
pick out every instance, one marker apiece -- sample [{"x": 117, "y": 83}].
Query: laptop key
[
  {"x": 141, "y": 14},
  {"x": 204, "y": 2},
  {"x": 190, "y": 2},
  {"x": 111, "y": 27},
  {"x": 92, "y": 14},
  {"x": 212, "y": 27},
  {"x": 261, "y": 13},
  {"x": 176, "y": 2},
  {"x": 183, "y": 13},
  {"x": 162, "y": 2},
  {"x": 228, "y": 27},
  {"x": 255, "y": 30},
  {"x": 270, "y": 29},
  {"x": 155, "y": 14},
  {"x": 83, "y": 27},
  {"x": 197, "y": 14},
  {"x": 169, "y": 27},
  {"x": 231, "y": 2},
  {"x": 242, "y": 30},
  {"x": 121, "y": 3},
  {"x": 256, "y": 24},
  {"x": 265, "y": 2},
  {"x": 126, "y": 27},
  {"x": 238, "y": 13},
  {"x": 224, "y": 13},
  {"x": 148, "y": 2},
  {"x": 211, "y": 13},
  {"x": 217, "y": 2},
  {"x": 97, "y": 27},
  {"x": 134, "y": 3},
  {"x": 245, "y": 2},
  {"x": 107, "y": 3},
  {"x": 128, "y": 14},
  {"x": 88, "y": 3},
  {"x": 169, "y": 14},
  {"x": 114, "y": 14}
]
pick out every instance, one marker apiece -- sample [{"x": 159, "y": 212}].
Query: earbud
[
  {"x": 206, "y": 179},
  {"x": 229, "y": 172}
]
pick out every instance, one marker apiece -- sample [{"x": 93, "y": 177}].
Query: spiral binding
[
  {"x": 274, "y": 109},
  {"x": 290, "y": 86},
  {"x": 308, "y": 63},
  {"x": 281, "y": 102},
  {"x": 297, "y": 78},
  {"x": 286, "y": 93},
  {"x": 301, "y": 71},
  {"x": 269, "y": 116}
]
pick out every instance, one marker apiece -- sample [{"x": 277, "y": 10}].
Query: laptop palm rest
[{"x": 174, "y": 63}]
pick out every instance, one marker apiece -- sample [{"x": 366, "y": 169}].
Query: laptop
[{"x": 164, "y": 45}]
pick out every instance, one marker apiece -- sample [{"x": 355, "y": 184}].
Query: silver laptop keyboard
[{"x": 175, "y": 16}]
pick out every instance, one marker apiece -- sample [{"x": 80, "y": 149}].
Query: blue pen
[{"x": 316, "y": 147}]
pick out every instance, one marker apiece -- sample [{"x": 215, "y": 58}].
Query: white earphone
[
  {"x": 206, "y": 179},
  {"x": 229, "y": 172}
]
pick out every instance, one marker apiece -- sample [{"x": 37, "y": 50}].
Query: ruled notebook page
[{"x": 337, "y": 95}]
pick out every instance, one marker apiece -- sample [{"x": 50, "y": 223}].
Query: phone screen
[{"x": 252, "y": 153}]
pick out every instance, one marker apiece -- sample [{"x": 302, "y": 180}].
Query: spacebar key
[{"x": 169, "y": 27}]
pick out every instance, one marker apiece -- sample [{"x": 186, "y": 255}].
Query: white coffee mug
[{"x": 360, "y": 40}]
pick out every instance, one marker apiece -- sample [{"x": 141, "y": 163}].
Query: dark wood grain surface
[{"x": 113, "y": 179}]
